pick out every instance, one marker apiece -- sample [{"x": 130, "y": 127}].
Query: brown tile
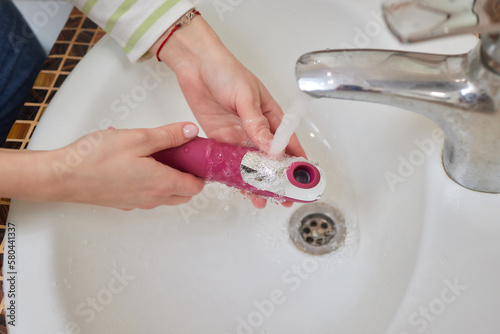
[
  {"x": 78, "y": 50},
  {"x": 28, "y": 113},
  {"x": 60, "y": 80},
  {"x": 73, "y": 22},
  {"x": 45, "y": 79},
  {"x": 40, "y": 114},
  {"x": 66, "y": 35},
  {"x": 76, "y": 12},
  {"x": 19, "y": 131},
  {"x": 59, "y": 49},
  {"x": 14, "y": 145},
  {"x": 69, "y": 64},
  {"x": 37, "y": 96},
  {"x": 85, "y": 36},
  {"x": 52, "y": 63},
  {"x": 51, "y": 95},
  {"x": 4, "y": 210},
  {"x": 98, "y": 35},
  {"x": 89, "y": 24}
]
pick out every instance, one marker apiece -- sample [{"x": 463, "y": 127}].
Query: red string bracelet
[{"x": 184, "y": 20}]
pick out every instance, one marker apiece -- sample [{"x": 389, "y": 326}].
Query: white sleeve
[{"x": 135, "y": 24}]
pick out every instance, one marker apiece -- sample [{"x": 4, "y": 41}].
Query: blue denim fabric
[{"x": 21, "y": 59}]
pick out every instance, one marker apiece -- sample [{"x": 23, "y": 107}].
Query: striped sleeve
[{"x": 135, "y": 24}]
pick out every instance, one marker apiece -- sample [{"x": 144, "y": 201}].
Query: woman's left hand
[{"x": 230, "y": 103}]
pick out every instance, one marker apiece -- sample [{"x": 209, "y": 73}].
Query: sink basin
[{"x": 420, "y": 253}]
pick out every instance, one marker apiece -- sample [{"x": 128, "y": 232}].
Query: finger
[
  {"x": 287, "y": 204},
  {"x": 172, "y": 135},
  {"x": 294, "y": 147},
  {"x": 171, "y": 201},
  {"x": 181, "y": 184},
  {"x": 177, "y": 200},
  {"x": 258, "y": 202},
  {"x": 255, "y": 124}
]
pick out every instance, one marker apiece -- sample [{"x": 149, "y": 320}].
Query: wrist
[
  {"x": 28, "y": 175},
  {"x": 188, "y": 44}
]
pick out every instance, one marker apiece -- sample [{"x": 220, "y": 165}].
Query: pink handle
[
  {"x": 189, "y": 158},
  {"x": 221, "y": 162},
  {"x": 211, "y": 160}
]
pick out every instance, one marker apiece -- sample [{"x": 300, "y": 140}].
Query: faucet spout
[{"x": 458, "y": 92}]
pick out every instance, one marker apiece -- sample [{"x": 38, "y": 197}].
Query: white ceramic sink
[{"x": 421, "y": 254}]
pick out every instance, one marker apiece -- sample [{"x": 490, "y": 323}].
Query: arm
[
  {"x": 134, "y": 25},
  {"x": 229, "y": 102},
  {"x": 98, "y": 176}
]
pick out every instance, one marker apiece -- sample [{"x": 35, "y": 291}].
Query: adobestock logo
[
  {"x": 408, "y": 165},
  {"x": 224, "y": 6},
  {"x": 121, "y": 108},
  {"x": 128, "y": 101},
  {"x": 363, "y": 36},
  {"x": 204, "y": 200},
  {"x": 93, "y": 305},
  {"x": 74, "y": 156},
  {"x": 292, "y": 279},
  {"x": 421, "y": 319}
]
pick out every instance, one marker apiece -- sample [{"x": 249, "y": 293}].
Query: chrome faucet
[{"x": 461, "y": 93}]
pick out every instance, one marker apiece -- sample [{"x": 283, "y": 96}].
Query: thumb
[{"x": 167, "y": 136}]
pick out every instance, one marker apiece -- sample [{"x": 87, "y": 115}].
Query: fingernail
[{"x": 190, "y": 131}]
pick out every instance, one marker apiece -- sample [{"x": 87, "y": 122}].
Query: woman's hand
[
  {"x": 120, "y": 172},
  {"x": 109, "y": 168},
  {"x": 228, "y": 101}
]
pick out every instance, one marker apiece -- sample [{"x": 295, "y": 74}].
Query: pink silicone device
[{"x": 221, "y": 162}]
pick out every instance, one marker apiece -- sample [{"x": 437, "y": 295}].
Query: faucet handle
[{"x": 418, "y": 20}]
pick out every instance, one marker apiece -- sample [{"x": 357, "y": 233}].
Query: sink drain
[{"x": 317, "y": 228}]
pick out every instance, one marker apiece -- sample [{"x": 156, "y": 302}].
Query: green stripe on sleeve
[
  {"x": 89, "y": 4},
  {"x": 147, "y": 24},
  {"x": 124, "y": 7}
]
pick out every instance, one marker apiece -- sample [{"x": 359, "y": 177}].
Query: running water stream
[{"x": 290, "y": 122}]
